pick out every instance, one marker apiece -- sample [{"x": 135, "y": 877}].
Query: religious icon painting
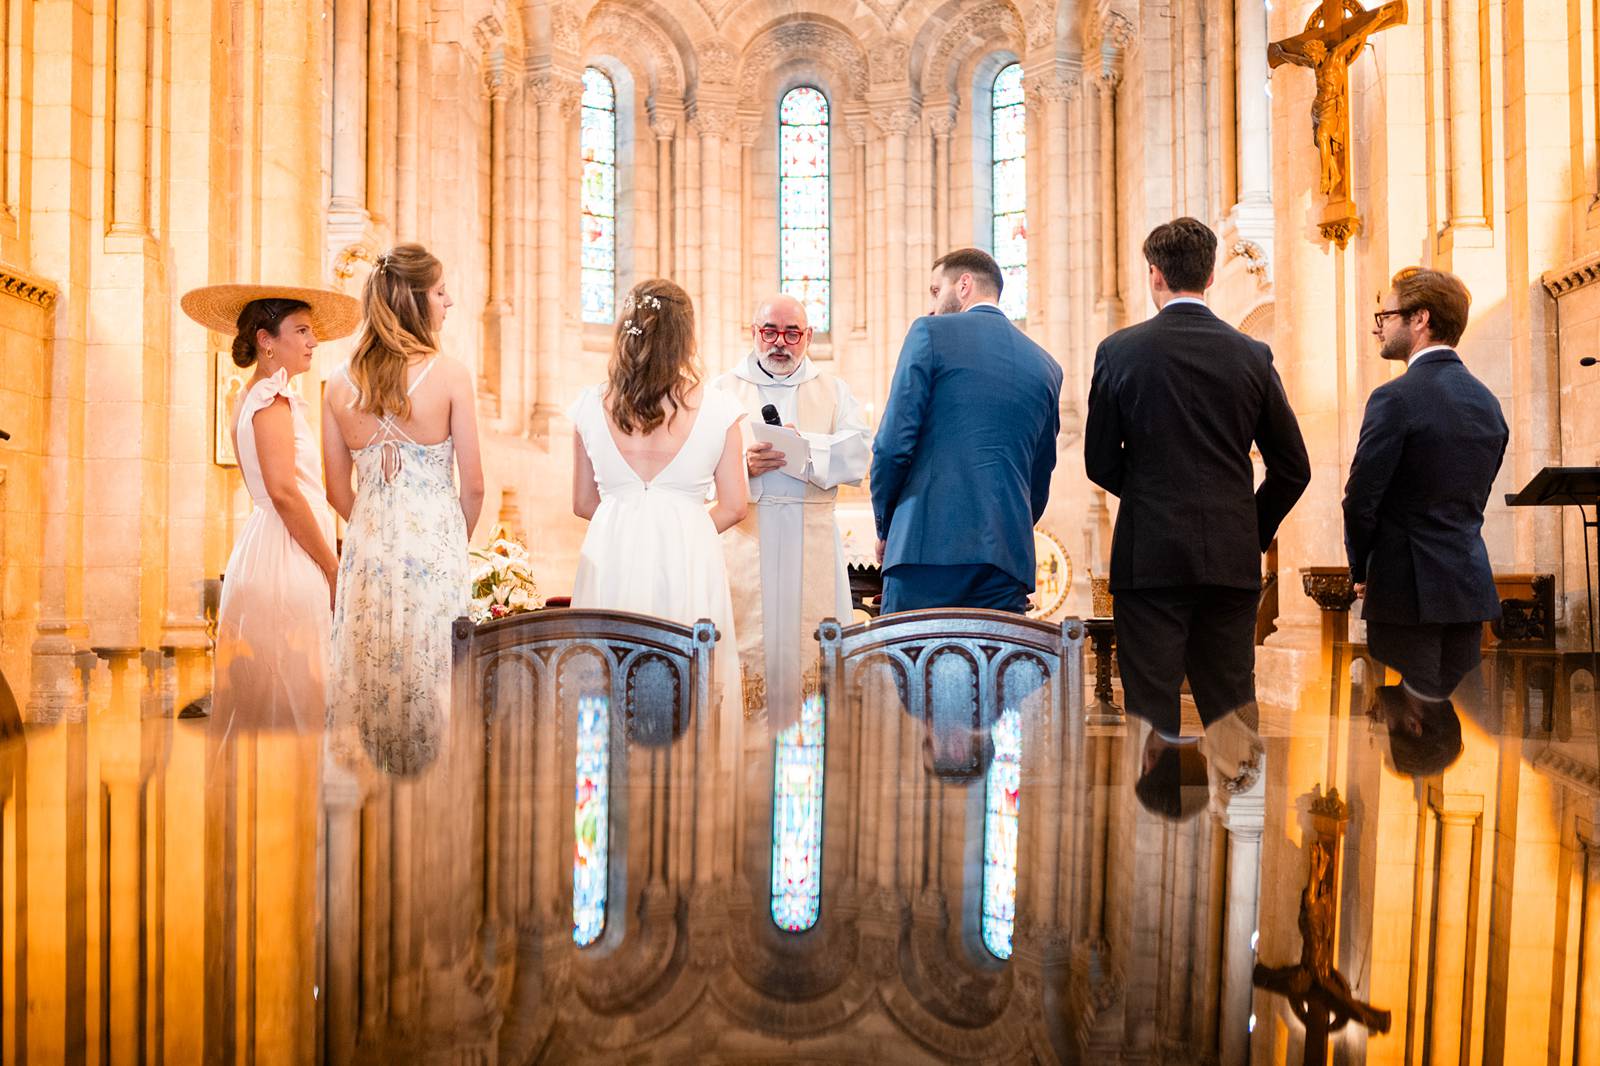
[{"x": 1052, "y": 578}]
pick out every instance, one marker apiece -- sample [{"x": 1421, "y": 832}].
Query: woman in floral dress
[{"x": 402, "y": 417}]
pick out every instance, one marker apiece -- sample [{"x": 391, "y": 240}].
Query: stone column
[
  {"x": 556, "y": 95},
  {"x": 941, "y": 125},
  {"x": 1245, "y": 819},
  {"x": 130, "y": 128},
  {"x": 857, "y": 132},
  {"x": 1588, "y": 1050},
  {"x": 1253, "y": 213},
  {"x": 712, "y": 124},
  {"x": 749, "y": 130},
  {"x": 1108, "y": 300},
  {"x": 407, "y": 135},
  {"x": 665, "y": 127},
  {"x": 1055, "y": 93},
  {"x": 1457, "y": 823},
  {"x": 348, "y": 205},
  {"x": 895, "y": 122},
  {"x": 1464, "y": 87},
  {"x": 497, "y": 312}
]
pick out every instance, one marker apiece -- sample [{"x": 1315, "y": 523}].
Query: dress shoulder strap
[{"x": 422, "y": 376}]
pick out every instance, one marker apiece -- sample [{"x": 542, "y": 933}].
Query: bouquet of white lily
[{"x": 502, "y": 579}]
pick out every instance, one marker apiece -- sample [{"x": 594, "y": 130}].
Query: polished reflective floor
[{"x": 952, "y": 861}]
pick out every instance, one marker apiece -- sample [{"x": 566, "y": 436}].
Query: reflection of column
[
  {"x": 341, "y": 798},
  {"x": 554, "y": 94},
  {"x": 131, "y": 128},
  {"x": 124, "y": 880},
  {"x": 1452, "y": 935},
  {"x": 664, "y": 127},
  {"x": 895, "y": 124},
  {"x": 349, "y": 179},
  {"x": 1108, "y": 187},
  {"x": 1465, "y": 88},
  {"x": 1589, "y": 961},
  {"x": 1246, "y": 815}
]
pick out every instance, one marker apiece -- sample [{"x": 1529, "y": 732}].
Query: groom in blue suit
[{"x": 961, "y": 464}]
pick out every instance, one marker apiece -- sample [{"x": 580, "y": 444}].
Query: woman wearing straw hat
[
  {"x": 272, "y": 623},
  {"x": 402, "y": 417}
]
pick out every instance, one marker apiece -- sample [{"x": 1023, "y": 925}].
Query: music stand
[{"x": 1573, "y": 486}]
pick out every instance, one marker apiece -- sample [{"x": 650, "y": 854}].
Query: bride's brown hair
[
  {"x": 652, "y": 357},
  {"x": 397, "y": 329}
]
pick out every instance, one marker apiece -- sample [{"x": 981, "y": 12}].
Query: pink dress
[{"x": 274, "y": 618}]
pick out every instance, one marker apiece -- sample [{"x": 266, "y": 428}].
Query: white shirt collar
[
  {"x": 985, "y": 303},
  {"x": 1414, "y": 356},
  {"x": 1185, "y": 300},
  {"x": 750, "y": 370}
]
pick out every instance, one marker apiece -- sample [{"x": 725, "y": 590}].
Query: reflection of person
[
  {"x": 272, "y": 619},
  {"x": 1174, "y": 407},
  {"x": 1431, "y": 443},
  {"x": 962, "y": 461},
  {"x": 1424, "y": 735},
  {"x": 402, "y": 416},
  {"x": 785, "y": 562},
  {"x": 1181, "y": 775},
  {"x": 649, "y": 446}
]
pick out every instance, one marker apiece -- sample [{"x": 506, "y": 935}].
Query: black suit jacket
[
  {"x": 1431, "y": 445},
  {"x": 1173, "y": 408}
]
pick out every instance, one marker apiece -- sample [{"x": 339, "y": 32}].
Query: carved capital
[
  {"x": 856, "y": 132},
  {"x": 1340, "y": 230},
  {"x": 895, "y": 120},
  {"x": 749, "y": 130},
  {"x": 665, "y": 127},
  {"x": 1108, "y": 80},
  {"x": 1055, "y": 88},
  {"x": 551, "y": 88},
  {"x": 498, "y": 82},
  {"x": 942, "y": 124},
  {"x": 20, "y": 286}
]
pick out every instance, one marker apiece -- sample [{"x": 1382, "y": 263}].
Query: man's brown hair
[
  {"x": 975, "y": 261},
  {"x": 1440, "y": 294},
  {"x": 1185, "y": 251}
]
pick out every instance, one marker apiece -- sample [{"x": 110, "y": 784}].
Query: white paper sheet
[{"x": 796, "y": 452}]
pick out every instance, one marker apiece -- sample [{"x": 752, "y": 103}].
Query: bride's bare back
[{"x": 649, "y": 453}]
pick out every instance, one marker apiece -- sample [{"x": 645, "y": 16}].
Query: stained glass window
[
  {"x": 591, "y": 820},
  {"x": 797, "y": 821},
  {"x": 1000, "y": 834},
  {"x": 1009, "y": 188},
  {"x": 804, "y": 265},
  {"x": 599, "y": 223}
]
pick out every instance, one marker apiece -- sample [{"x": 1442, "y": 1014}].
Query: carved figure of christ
[{"x": 1328, "y": 46}]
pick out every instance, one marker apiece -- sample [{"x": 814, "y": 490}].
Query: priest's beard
[{"x": 779, "y": 362}]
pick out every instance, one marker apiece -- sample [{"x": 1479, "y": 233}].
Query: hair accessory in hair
[
  {"x": 631, "y": 329},
  {"x": 383, "y": 261},
  {"x": 651, "y": 301}
]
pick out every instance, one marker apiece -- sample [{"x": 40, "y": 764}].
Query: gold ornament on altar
[
  {"x": 502, "y": 579},
  {"x": 1332, "y": 39}
]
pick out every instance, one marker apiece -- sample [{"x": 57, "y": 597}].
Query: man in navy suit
[
  {"x": 1174, "y": 407},
  {"x": 961, "y": 464},
  {"x": 1431, "y": 444}
]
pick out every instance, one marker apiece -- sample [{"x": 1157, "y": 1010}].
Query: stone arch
[
  {"x": 498, "y": 35},
  {"x": 949, "y": 38},
  {"x": 1258, "y": 322},
  {"x": 639, "y": 43},
  {"x": 749, "y": 20},
  {"x": 825, "y": 43}
]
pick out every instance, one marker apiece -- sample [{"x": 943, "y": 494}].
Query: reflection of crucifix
[
  {"x": 1328, "y": 46},
  {"x": 1318, "y": 994}
]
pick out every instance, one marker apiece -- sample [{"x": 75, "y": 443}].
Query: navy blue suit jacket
[
  {"x": 1174, "y": 405},
  {"x": 1431, "y": 444},
  {"x": 961, "y": 464}
]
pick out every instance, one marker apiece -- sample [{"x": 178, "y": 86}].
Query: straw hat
[{"x": 217, "y": 307}]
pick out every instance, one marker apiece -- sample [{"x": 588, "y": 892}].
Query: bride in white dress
[{"x": 649, "y": 445}]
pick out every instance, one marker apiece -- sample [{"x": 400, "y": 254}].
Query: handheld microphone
[
  {"x": 1588, "y": 360},
  {"x": 769, "y": 414},
  {"x": 4, "y": 435}
]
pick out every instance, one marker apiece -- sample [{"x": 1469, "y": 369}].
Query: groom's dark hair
[
  {"x": 1185, "y": 251},
  {"x": 975, "y": 261}
]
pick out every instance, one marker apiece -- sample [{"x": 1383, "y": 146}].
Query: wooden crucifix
[
  {"x": 1332, "y": 39},
  {"x": 1318, "y": 994}
]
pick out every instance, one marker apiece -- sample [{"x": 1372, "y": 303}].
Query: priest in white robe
[{"x": 785, "y": 561}]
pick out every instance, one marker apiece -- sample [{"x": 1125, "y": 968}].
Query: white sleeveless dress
[
  {"x": 402, "y": 583},
  {"x": 272, "y": 622},
  {"x": 651, "y": 547}
]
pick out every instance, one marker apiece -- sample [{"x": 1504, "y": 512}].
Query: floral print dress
[{"x": 402, "y": 583}]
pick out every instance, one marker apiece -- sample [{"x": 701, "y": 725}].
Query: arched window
[
  {"x": 591, "y": 820},
  {"x": 1000, "y": 809},
  {"x": 803, "y": 254},
  {"x": 599, "y": 140},
  {"x": 1008, "y": 189},
  {"x": 797, "y": 820}
]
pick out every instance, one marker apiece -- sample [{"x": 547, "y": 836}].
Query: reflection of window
[
  {"x": 797, "y": 821},
  {"x": 1009, "y": 189},
  {"x": 591, "y": 819},
  {"x": 599, "y": 140},
  {"x": 803, "y": 262},
  {"x": 1000, "y": 832}
]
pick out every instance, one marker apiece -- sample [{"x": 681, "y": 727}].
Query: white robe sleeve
[{"x": 841, "y": 458}]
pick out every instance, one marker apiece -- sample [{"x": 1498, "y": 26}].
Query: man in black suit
[
  {"x": 1431, "y": 444},
  {"x": 1173, "y": 408}
]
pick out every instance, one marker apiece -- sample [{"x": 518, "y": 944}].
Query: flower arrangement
[{"x": 502, "y": 580}]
